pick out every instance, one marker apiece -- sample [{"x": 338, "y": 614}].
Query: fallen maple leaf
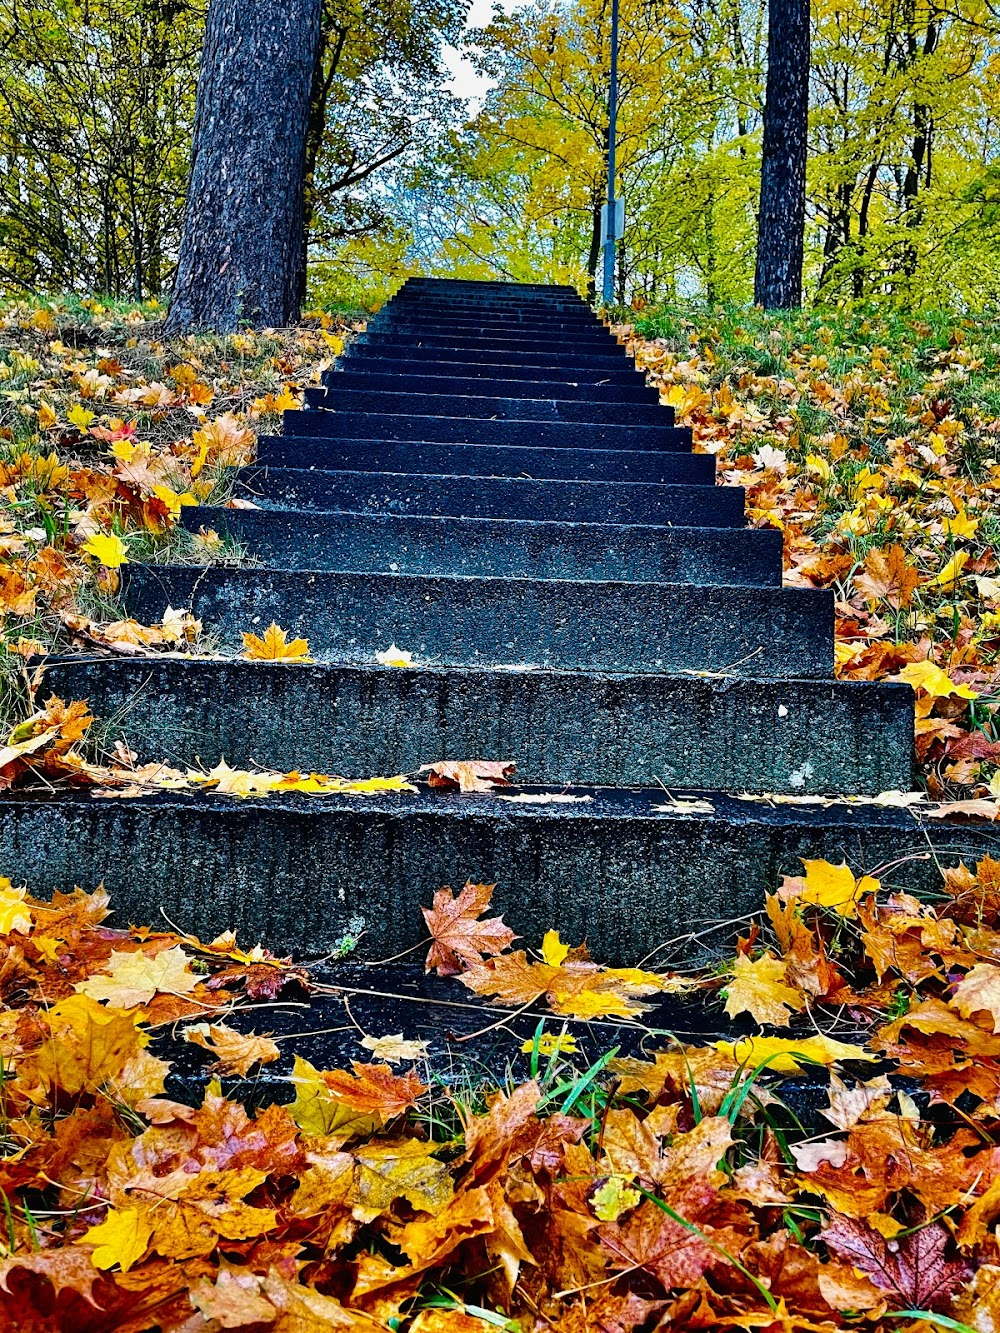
[
  {"x": 826, "y": 885},
  {"x": 888, "y": 577},
  {"x": 121, "y": 1239},
  {"x": 468, "y": 775},
  {"x": 759, "y": 988},
  {"x": 786, "y": 1055},
  {"x": 15, "y": 915},
  {"x": 107, "y": 548},
  {"x": 460, "y": 938},
  {"x": 912, "y": 1267},
  {"x": 394, "y": 1049},
  {"x": 274, "y": 646},
  {"x": 236, "y": 1052},
  {"x": 394, "y": 657},
  {"x": 933, "y": 681},
  {"x": 979, "y": 992},
  {"x": 131, "y": 979}
]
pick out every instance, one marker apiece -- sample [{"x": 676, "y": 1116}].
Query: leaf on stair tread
[
  {"x": 469, "y": 775},
  {"x": 274, "y": 646}
]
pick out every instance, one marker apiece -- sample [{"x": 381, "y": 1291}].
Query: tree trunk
[
  {"x": 781, "y": 227},
  {"x": 243, "y": 220}
]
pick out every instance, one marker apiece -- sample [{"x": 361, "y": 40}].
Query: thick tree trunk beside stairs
[
  {"x": 781, "y": 226},
  {"x": 241, "y": 247}
]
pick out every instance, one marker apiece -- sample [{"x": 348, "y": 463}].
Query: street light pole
[{"x": 610, "y": 219}]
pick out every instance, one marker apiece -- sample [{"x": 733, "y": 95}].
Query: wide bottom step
[{"x": 629, "y": 871}]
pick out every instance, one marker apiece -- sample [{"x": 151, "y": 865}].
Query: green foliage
[{"x": 902, "y": 186}]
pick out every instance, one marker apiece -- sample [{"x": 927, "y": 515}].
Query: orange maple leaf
[{"x": 460, "y": 938}]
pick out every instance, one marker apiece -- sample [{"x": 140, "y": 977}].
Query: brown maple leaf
[
  {"x": 888, "y": 577},
  {"x": 912, "y": 1267},
  {"x": 656, "y": 1243},
  {"x": 460, "y": 938},
  {"x": 469, "y": 774}
]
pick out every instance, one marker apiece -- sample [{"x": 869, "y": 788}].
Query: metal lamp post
[{"x": 612, "y": 209}]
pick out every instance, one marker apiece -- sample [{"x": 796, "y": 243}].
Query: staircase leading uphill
[{"x": 486, "y": 480}]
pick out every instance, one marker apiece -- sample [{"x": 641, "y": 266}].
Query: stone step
[
  {"x": 497, "y": 548},
  {"x": 574, "y": 362},
  {"x": 557, "y": 328},
  {"x": 292, "y": 871},
  {"x": 485, "y": 460},
  {"x": 386, "y": 378},
  {"x": 473, "y": 430},
  {"x": 422, "y": 306},
  {"x": 494, "y": 497},
  {"x": 488, "y": 287},
  {"x": 583, "y": 729},
  {"x": 591, "y": 344},
  {"x": 770, "y": 633},
  {"x": 357, "y": 360},
  {"x": 398, "y": 402}
]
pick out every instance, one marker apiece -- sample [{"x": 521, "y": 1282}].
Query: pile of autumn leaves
[
  {"x": 668, "y": 1191},
  {"x": 106, "y": 435},
  {"x": 892, "y": 500}
]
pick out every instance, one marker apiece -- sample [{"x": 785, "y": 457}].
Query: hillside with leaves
[{"x": 872, "y": 442}]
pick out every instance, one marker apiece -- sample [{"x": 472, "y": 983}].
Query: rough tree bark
[
  {"x": 781, "y": 226},
  {"x": 243, "y": 221}
]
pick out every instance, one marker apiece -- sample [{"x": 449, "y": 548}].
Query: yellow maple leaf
[
  {"x": 827, "y": 885},
  {"x": 335, "y": 343},
  {"x": 786, "y": 1055},
  {"x": 320, "y": 784},
  {"x": 226, "y": 781},
  {"x": 173, "y": 500},
  {"x": 107, "y": 548},
  {"x": 553, "y": 950},
  {"x": 759, "y": 988},
  {"x": 88, "y": 1046},
  {"x": 47, "y": 416},
  {"x": 15, "y": 915},
  {"x": 122, "y": 1239},
  {"x": 949, "y": 575},
  {"x": 131, "y": 979},
  {"x": 961, "y": 526},
  {"x": 79, "y": 416},
  {"x": 933, "y": 681},
  {"x": 551, "y": 1044},
  {"x": 274, "y": 646}
]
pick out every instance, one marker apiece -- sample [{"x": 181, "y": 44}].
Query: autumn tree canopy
[{"x": 97, "y": 103}]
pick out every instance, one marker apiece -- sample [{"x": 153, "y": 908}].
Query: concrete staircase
[{"x": 486, "y": 481}]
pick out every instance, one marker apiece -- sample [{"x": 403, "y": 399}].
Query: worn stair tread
[
  {"x": 470, "y": 430},
  {"x": 462, "y": 621},
  {"x": 504, "y": 374},
  {"x": 604, "y": 729},
  {"x": 294, "y": 870},
  {"x": 596, "y": 344},
  {"x": 293, "y": 539},
  {"x": 401, "y": 402},
  {"x": 486, "y": 460},
  {"x": 541, "y": 327},
  {"x": 493, "y": 497},
  {"x": 574, "y": 362},
  {"x": 365, "y": 378}
]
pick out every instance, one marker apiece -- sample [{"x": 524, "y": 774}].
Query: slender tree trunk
[
  {"x": 594, "y": 254},
  {"x": 241, "y": 246},
  {"x": 781, "y": 227}
]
